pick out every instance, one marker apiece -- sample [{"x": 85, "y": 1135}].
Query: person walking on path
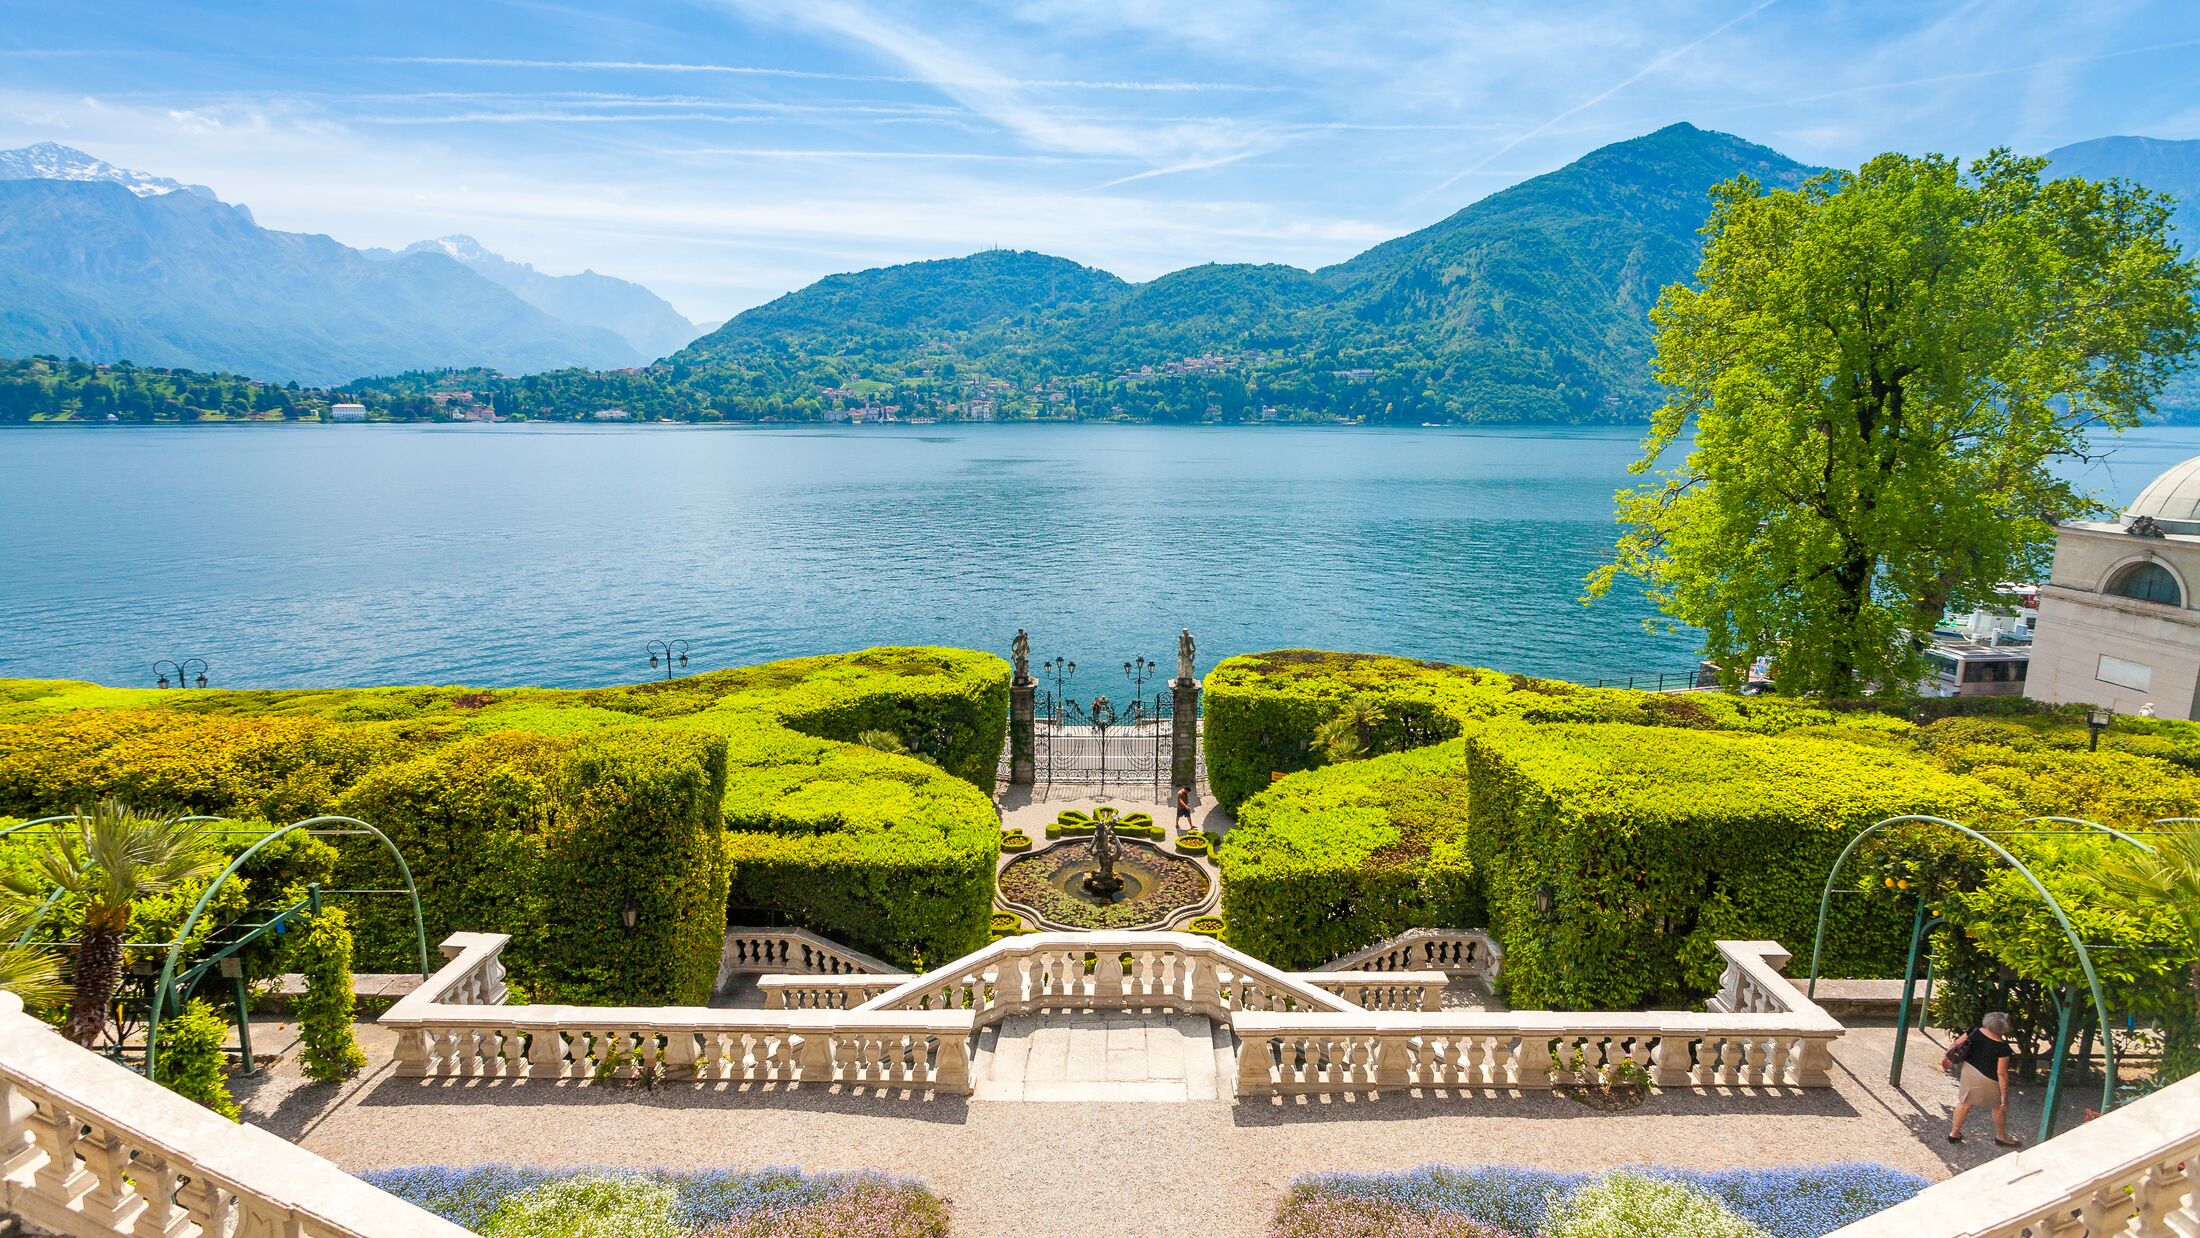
[
  {"x": 1184, "y": 810},
  {"x": 1981, "y": 1060}
]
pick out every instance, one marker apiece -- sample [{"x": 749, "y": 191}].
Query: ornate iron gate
[{"x": 1099, "y": 744}]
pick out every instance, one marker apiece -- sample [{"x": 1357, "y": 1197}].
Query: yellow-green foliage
[
  {"x": 330, "y": 1051},
  {"x": 1658, "y": 842},
  {"x": 489, "y": 794},
  {"x": 1329, "y": 861},
  {"x": 189, "y": 1058},
  {"x": 1262, "y": 710}
]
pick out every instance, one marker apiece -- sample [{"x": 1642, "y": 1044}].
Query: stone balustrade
[
  {"x": 1383, "y": 990},
  {"x": 1786, "y": 1042},
  {"x": 2127, "y": 1173},
  {"x": 823, "y": 992},
  {"x": 792, "y": 951},
  {"x": 437, "y": 1039},
  {"x": 1454, "y": 952},
  {"x": 1107, "y": 970},
  {"x": 89, "y": 1147}
]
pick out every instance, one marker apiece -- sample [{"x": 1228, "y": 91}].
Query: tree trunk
[{"x": 98, "y": 970}]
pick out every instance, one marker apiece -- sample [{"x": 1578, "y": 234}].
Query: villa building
[{"x": 2117, "y": 623}]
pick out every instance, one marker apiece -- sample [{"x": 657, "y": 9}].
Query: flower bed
[
  {"x": 512, "y": 1201},
  {"x": 1502, "y": 1201},
  {"x": 1028, "y": 880}
]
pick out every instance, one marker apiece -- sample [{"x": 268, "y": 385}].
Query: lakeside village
[{"x": 37, "y": 390}]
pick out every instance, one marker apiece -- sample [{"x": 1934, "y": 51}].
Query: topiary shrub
[
  {"x": 190, "y": 1062},
  {"x": 1192, "y": 844},
  {"x": 1015, "y": 840},
  {"x": 1658, "y": 842},
  {"x": 323, "y": 958},
  {"x": 1206, "y": 926},
  {"x": 1328, "y": 861}
]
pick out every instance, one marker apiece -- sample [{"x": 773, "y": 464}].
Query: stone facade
[{"x": 2095, "y": 645}]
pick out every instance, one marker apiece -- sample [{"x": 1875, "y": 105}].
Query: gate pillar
[
  {"x": 1023, "y": 714},
  {"x": 1184, "y": 733}
]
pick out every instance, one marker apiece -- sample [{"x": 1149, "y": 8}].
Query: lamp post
[
  {"x": 1060, "y": 670},
  {"x": 670, "y": 650},
  {"x": 630, "y": 915},
  {"x": 2096, "y": 722},
  {"x": 1546, "y": 899},
  {"x": 181, "y": 671},
  {"x": 1138, "y": 673}
]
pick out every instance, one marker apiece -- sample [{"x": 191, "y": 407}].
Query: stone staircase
[{"x": 1104, "y": 1056}]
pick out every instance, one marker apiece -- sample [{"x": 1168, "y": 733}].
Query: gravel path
[{"x": 1042, "y": 1169}]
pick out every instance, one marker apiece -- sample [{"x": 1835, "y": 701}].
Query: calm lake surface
[{"x": 325, "y": 555}]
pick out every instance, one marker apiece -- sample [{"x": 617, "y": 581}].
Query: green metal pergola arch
[
  {"x": 1919, "y": 929},
  {"x": 318, "y": 826},
  {"x": 181, "y": 987}
]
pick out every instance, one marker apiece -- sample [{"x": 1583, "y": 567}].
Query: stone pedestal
[
  {"x": 1184, "y": 734},
  {"x": 1023, "y": 743}
]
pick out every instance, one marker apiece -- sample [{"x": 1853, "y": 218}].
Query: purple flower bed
[
  {"x": 712, "y": 1203},
  {"x": 1501, "y": 1201}
]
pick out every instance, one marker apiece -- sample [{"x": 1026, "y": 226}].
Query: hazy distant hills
[
  {"x": 110, "y": 264},
  {"x": 1528, "y": 305},
  {"x": 51, "y": 161},
  {"x": 640, "y": 317},
  {"x": 2171, "y": 167}
]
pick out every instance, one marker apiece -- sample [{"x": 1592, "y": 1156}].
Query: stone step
[{"x": 1103, "y": 1056}]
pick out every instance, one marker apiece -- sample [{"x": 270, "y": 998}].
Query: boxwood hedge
[
  {"x": 1325, "y": 862},
  {"x": 540, "y": 811},
  {"x": 1656, "y": 843}
]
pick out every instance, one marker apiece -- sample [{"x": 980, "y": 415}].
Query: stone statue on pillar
[
  {"x": 1184, "y": 651},
  {"x": 1019, "y": 650},
  {"x": 1023, "y": 715},
  {"x": 1184, "y": 710}
]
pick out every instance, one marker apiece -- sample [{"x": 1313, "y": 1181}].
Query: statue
[
  {"x": 1020, "y": 650},
  {"x": 1106, "y": 847},
  {"x": 2145, "y": 526},
  {"x": 1184, "y": 650}
]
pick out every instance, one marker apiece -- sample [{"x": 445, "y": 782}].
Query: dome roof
[{"x": 2173, "y": 499}]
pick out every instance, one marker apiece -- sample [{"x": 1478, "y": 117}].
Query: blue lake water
[{"x": 323, "y": 555}]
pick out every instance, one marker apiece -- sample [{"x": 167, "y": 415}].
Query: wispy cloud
[
  {"x": 740, "y": 70},
  {"x": 1646, "y": 70}
]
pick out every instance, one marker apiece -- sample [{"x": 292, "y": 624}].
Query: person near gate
[
  {"x": 1981, "y": 1061},
  {"x": 1184, "y": 810}
]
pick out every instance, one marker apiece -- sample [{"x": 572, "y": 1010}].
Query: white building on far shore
[
  {"x": 347, "y": 412},
  {"x": 2119, "y": 623}
]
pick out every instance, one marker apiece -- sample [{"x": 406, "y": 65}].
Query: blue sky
[{"x": 725, "y": 152}]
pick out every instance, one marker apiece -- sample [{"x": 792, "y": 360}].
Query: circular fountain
[{"x": 1104, "y": 882}]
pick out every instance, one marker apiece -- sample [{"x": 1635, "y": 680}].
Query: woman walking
[{"x": 1981, "y": 1060}]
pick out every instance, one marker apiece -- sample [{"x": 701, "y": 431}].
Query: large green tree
[{"x": 1878, "y": 369}]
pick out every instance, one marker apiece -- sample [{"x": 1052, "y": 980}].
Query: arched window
[{"x": 2148, "y": 582}]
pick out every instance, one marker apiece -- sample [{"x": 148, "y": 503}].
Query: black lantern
[
  {"x": 2096, "y": 722},
  {"x": 630, "y": 915},
  {"x": 1546, "y": 898}
]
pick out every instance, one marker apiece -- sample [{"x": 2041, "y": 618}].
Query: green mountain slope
[
  {"x": 2171, "y": 167},
  {"x": 87, "y": 268},
  {"x": 1526, "y": 306},
  {"x": 639, "y": 316}
]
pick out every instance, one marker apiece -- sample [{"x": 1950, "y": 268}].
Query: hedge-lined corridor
[{"x": 541, "y": 812}]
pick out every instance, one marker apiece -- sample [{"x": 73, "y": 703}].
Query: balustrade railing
[
  {"x": 2127, "y": 1173},
  {"x": 1103, "y": 970},
  {"x": 438, "y": 1038},
  {"x": 1782, "y": 1039},
  {"x": 89, "y": 1147},
  {"x": 793, "y": 951},
  {"x": 1383, "y": 990},
  {"x": 1455, "y": 952},
  {"x": 824, "y": 992}
]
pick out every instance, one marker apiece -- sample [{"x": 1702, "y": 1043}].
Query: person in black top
[{"x": 1982, "y": 1060}]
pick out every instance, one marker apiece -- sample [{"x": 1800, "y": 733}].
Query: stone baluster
[
  {"x": 1531, "y": 1061},
  {"x": 1254, "y": 1075}
]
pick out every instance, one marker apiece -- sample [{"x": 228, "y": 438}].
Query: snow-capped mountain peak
[{"x": 51, "y": 161}]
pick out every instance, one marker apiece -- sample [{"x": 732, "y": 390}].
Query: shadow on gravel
[
  {"x": 1414, "y": 1104},
  {"x": 906, "y": 1103}
]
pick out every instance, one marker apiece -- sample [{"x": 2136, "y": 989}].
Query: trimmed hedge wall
[
  {"x": 1659, "y": 842},
  {"x": 1326, "y": 862},
  {"x": 538, "y": 811},
  {"x": 1262, "y": 710}
]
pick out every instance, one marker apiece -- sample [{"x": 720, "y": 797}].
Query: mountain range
[
  {"x": 1527, "y": 305},
  {"x": 107, "y": 264}
]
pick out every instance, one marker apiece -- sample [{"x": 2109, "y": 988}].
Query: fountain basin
[{"x": 1049, "y": 884}]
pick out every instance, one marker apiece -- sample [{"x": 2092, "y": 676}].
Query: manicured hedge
[
  {"x": 1262, "y": 710},
  {"x": 1658, "y": 842},
  {"x": 538, "y": 811},
  {"x": 1326, "y": 862}
]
